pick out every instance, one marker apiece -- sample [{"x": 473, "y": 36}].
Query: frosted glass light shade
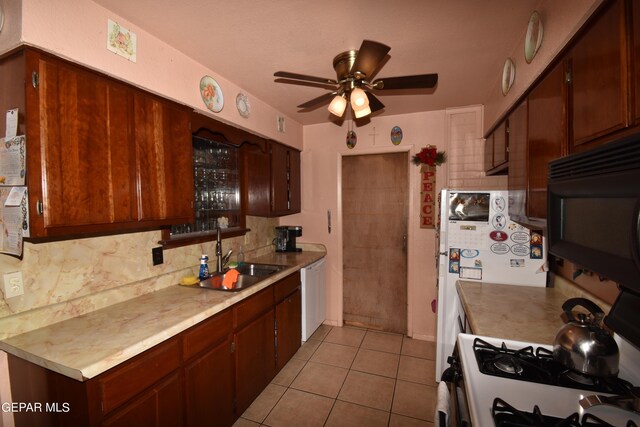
[
  {"x": 362, "y": 112},
  {"x": 338, "y": 105},
  {"x": 358, "y": 99}
]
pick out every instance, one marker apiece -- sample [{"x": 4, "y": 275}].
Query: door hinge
[
  {"x": 39, "y": 207},
  {"x": 567, "y": 77},
  {"x": 35, "y": 79},
  {"x": 233, "y": 346}
]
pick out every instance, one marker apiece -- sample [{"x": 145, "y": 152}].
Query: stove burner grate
[
  {"x": 505, "y": 415},
  {"x": 540, "y": 367}
]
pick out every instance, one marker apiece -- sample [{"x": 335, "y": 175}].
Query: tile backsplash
[{"x": 69, "y": 278}]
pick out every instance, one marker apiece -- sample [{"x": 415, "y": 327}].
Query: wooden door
[
  {"x": 164, "y": 160},
  {"x": 288, "y": 327},
  {"x": 599, "y": 78},
  {"x": 209, "y": 388},
  {"x": 81, "y": 162},
  {"x": 255, "y": 359},
  {"x": 547, "y": 119},
  {"x": 375, "y": 193}
]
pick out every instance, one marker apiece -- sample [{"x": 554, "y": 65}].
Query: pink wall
[{"x": 77, "y": 30}]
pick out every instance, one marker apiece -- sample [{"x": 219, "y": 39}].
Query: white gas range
[{"x": 557, "y": 401}]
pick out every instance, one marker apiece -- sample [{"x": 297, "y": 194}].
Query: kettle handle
[{"x": 569, "y": 304}]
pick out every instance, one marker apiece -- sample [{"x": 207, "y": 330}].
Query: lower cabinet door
[
  {"x": 160, "y": 406},
  {"x": 288, "y": 327},
  {"x": 209, "y": 388},
  {"x": 255, "y": 359}
]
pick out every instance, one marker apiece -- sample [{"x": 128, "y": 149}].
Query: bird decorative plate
[{"x": 211, "y": 94}]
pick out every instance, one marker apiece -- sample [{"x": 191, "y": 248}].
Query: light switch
[{"x": 13, "y": 286}]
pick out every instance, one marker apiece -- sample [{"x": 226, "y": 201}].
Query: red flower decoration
[{"x": 430, "y": 156}]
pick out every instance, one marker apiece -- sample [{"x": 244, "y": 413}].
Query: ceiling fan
[{"x": 354, "y": 69}]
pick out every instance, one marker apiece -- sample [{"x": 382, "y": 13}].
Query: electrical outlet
[
  {"x": 156, "y": 255},
  {"x": 13, "y": 285}
]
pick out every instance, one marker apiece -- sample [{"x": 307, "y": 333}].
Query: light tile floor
[{"x": 351, "y": 377}]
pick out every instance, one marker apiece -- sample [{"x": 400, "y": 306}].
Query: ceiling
[{"x": 245, "y": 41}]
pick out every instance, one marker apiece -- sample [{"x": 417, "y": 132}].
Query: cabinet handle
[
  {"x": 35, "y": 79},
  {"x": 39, "y": 207}
]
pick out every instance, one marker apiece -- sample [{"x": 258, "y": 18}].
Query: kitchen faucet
[{"x": 221, "y": 261}]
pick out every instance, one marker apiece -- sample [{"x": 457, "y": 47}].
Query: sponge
[{"x": 230, "y": 278}]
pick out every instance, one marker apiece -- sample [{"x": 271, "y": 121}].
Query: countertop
[
  {"x": 521, "y": 313},
  {"x": 85, "y": 346}
]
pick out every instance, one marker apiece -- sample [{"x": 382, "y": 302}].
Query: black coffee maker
[{"x": 286, "y": 238}]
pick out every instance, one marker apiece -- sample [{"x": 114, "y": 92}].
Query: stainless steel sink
[{"x": 250, "y": 274}]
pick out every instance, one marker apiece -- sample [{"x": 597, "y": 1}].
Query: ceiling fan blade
[
  {"x": 317, "y": 101},
  {"x": 308, "y": 84},
  {"x": 369, "y": 57},
  {"x": 374, "y": 102},
  {"x": 421, "y": 81},
  {"x": 304, "y": 77}
]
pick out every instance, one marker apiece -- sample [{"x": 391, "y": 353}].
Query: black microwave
[{"x": 594, "y": 221}]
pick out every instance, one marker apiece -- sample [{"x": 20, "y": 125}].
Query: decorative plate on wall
[
  {"x": 508, "y": 75},
  {"x": 1, "y": 17},
  {"x": 352, "y": 139},
  {"x": 243, "y": 106},
  {"x": 396, "y": 135},
  {"x": 533, "y": 39},
  {"x": 211, "y": 94}
]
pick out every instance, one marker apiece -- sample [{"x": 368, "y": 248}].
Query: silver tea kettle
[{"x": 582, "y": 344}]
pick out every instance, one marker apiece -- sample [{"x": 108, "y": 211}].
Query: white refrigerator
[{"x": 478, "y": 242}]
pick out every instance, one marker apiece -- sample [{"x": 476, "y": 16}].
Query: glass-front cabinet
[{"x": 216, "y": 189}]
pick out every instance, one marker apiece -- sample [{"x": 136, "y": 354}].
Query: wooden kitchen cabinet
[
  {"x": 547, "y": 136},
  {"x": 496, "y": 152},
  {"x": 273, "y": 179},
  {"x": 288, "y": 297},
  {"x": 80, "y": 159},
  {"x": 285, "y": 180},
  {"x": 599, "y": 79},
  {"x": 163, "y": 159},
  {"x": 254, "y": 341},
  {"x": 209, "y": 375},
  {"x": 518, "y": 155},
  {"x": 102, "y": 156},
  {"x": 159, "y": 407},
  {"x": 635, "y": 58}
]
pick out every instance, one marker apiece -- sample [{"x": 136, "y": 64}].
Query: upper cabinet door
[
  {"x": 164, "y": 160},
  {"x": 599, "y": 78},
  {"x": 79, "y": 133},
  {"x": 546, "y": 130},
  {"x": 279, "y": 179}
]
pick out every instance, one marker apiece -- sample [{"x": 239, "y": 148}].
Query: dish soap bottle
[
  {"x": 204, "y": 268},
  {"x": 240, "y": 257}
]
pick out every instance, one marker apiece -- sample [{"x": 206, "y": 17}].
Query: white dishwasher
[{"x": 313, "y": 297}]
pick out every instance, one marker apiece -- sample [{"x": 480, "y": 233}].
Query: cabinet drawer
[
  {"x": 207, "y": 333},
  {"x": 253, "y": 306},
  {"x": 286, "y": 286},
  {"x": 125, "y": 381}
]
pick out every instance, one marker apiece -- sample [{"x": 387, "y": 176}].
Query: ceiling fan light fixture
[
  {"x": 362, "y": 112},
  {"x": 359, "y": 99},
  {"x": 338, "y": 105}
]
